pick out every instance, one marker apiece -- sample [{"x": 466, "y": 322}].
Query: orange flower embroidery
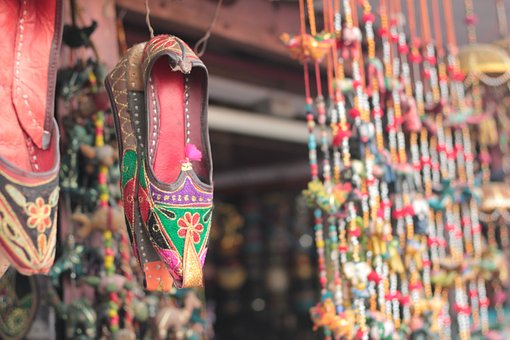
[
  {"x": 190, "y": 223},
  {"x": 42, "y": 242},
  {"x": 39, "y": 215}
]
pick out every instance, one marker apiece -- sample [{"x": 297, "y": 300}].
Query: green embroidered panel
[
  {"x": 129, "y": 164},
  {"x": 178, "y": 222},
  {"x": 141, "y": 176}
]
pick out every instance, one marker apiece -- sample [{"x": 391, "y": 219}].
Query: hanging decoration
[
  {"x": 399, "y": 140},
  {"x": 94, "y": 289}
]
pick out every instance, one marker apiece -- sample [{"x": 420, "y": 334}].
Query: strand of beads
[
  {"x": 359, "y": 263},
  {"x": 319, "y": 239},
  {"x": 414, "y": 109},
  {"x": 389, "y": 34},
  {"x": 431, "y": 95},
  {"x": 318, "y": 226},
  {"x": 479, "y": 301},
  {"x": 109, "y": 254},
  {"x": 438, "y": 169},
  {"x": 432, "y": 173},
  {"x": 471, "y": 21},
  {"x": 448, "y": 174},
  {"x": 359, "y": 114},
  {"x": 385, "y": 296},
  {"x": 341, "y": 131},
  {"x": 333, "y": 220},
  {"x": 403, "y": 210},
  {"x": 348, "y": 224},
  {"x": 312, "y": 154},
  {"x": 458, "y": 103},
  {"x": 330, "y": 245},
  {"x": 125, "y": 255},
  {"x": 378, "y": 232}
]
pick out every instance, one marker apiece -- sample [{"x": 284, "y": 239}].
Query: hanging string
[
  {"x": 425, "y": 26},
  {"x": 502, "y": 20},
  {"x": 148, "y": 19},
  {"x": 201, "y": 44},
  {"x": 331, "y": 57},
  {"x": 302, "y": 23},
  {"x": 325, "y": 10},
  {"x": 73, "y": 12},
  {"x": 412, "y": 22},
  {"x": 470, "y": 21},
  {"x": 327, "y": 28},
  {"x": 336, "y": 6},
  {"x": 121, "y": 33},
  {"x": 355, "y": 21},
  {"x": 311, "y": 17},
  {"x": 450, "y": 29},
  {"x": 398, "y": 8},
  {"x": 437, "y": 29},
  {"x": 303, "y": 33},
  {"x": 332, "y": 9},
  {"x": 318, "y": 79}
]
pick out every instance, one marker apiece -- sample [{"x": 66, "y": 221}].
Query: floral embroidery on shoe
[
  {"x": 190, "y": 223},
  {"x": 30, "y": 222},
  {"x": 38, "y": 215},
  {"x": 42, "y": 243}
]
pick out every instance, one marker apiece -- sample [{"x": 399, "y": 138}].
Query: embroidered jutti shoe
[
  {"x": 175, "y": 191},
  {"x": 125, "y": 89},
  {"x": 29, "y": 139}
]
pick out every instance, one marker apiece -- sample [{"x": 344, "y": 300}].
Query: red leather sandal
[{"x": 29, "y": 150}]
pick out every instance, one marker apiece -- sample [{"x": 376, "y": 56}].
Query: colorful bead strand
[{"x": 109, "y": 254}]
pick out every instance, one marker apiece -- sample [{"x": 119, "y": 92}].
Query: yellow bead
[
  {"x": 107, "y": 235},
  {"x": 320, "y": 243},
  {"x": 112, "y": 313}
]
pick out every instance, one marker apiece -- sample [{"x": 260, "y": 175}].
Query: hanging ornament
[{"x": 392, "y": 162}]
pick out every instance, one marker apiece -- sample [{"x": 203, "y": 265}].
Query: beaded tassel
[
  {"x": 381, "y": 231},
  {"x": 478, "y": 293},
  {"x": 397, "y": 231},
  {"x": 320, "y": 237},
  {"x": 360, "y": 114},
  {"x": 109, "y": 254},
  {"x": 125, "y": 254}
]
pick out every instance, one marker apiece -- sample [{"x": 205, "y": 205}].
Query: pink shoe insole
[
  {"x": 170, "y": 129},
  {"x": 168, "y": 87}
]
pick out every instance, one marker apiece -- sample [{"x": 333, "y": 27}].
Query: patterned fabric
[
  {"x": 180, "y": 53},
  {"x": 29, "y": 167},
  {"x": 176, "y": 215},
  {"x": 127, "y": 99},
  {"x": 28, "y": 227},
  {"x": 116, "y": 83},
  {"x": 168, "y": 223},
  {"x": 178, "y": 222}
]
